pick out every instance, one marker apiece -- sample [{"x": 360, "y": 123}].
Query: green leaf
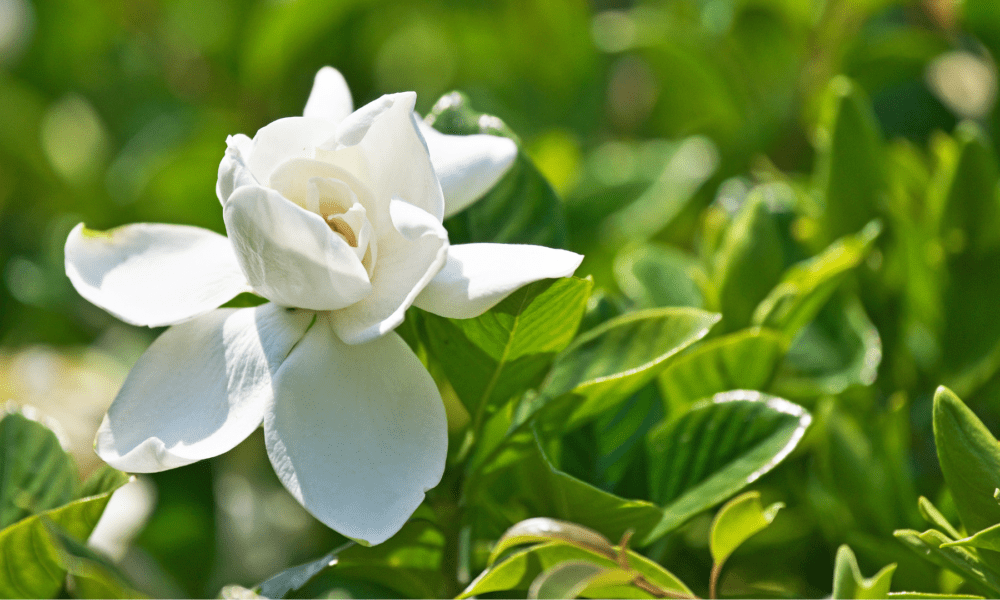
[
  {"x": 933, "y": 516},
  {"x": 934, "y": 596},
  {"x": 611, "y": 362},
  {"x": 522, "y": 481},
  {"x": 294, "y": 578},
  {"x": 34, "y": 567},
  {"x": 848, "y": 582},
  {"x": 737, "y": 521},
  {"x": 957, "y": 559},
  {"x": 522, "y": 208},
  {"x": 90, "y": 574},
  {"x": 542, "y": 529},
  {"x": 805, "y": 287},
  {"x": 970, "y": 462},
  {"x": 987, "y": 539},
  {"x": 749, "y": 262},
  {"x": 849, "y": 162},
  {"x": 963, "y": 194},
  {"x": 744, "y": 360},
  {"x": 565, "y": 580},
  {"x": 498, "y": 355},
  {"x": 36, "y": 474},
  {"x": 717, "y": 449},
  {"x": 659, "y": 275},
  {"x": 517, "y": 571}
]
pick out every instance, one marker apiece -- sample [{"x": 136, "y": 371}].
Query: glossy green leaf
[
  {"x": 34, "y": 567},
  {"x": 737, "y": 521},
  {"x": 518, "y": 570},
  {"x": 849, "y": 583},
  {"x": 659, "y": 275},
  {"x": 522, "y": 208},
  {"x": 961, "y": 561},
  {"x": 717, "y": 449},
  {"x": 565, "y": 580},
  {"x": 849, "y": 170},
  {"x": 498, "y": 355},
  {"x": 970, "y": 461},
  {"x": 744, "y": 360},
  {"x": 611, "y": 362},
  {"x": 36, "y": 474},
  {"x": 749, "y": 262},
  {"x": 543, "y": 529},
  {"x": 805, "y": 287}
]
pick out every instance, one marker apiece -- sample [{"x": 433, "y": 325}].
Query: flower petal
[
  {"x": 330, "y": 97},
  {"x": 290, "y": 255},
  {"x": 284, "y": 139},
  {"x": 200, "y": 389},
  {"x": 409, "y": 255},
  {"x": 478, "y": 276},
  {"x": 233, "y": 170},
  {"x": 357, "y": 434},
  {"x": 153, "y": 274},
  {"x": 467, "y": 165},
  {"x": 386, "y": 132}
]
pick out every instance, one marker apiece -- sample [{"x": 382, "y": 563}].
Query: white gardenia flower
[{"x": 335, "y": 217}]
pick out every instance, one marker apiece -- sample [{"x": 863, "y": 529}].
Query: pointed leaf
[
  {"x": 737, "y": 521},
  {"x": 987, "y": 539},
  {"x": 848, "y": 582},
  {"x": 717, "y": 449},
  {"x": 36, "y": 474},
  {"x": 294, "y": 578},
  {"x": 933, "y": 516}
]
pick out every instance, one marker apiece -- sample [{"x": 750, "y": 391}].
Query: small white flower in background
[{"x": 336, "y": 218}]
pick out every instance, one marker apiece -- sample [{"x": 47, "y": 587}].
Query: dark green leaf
[
  {"x": 296, "y": 577},
  {"x": 36, "y": 474},
  {"x": 849, "y": 583},
  {"x": 717, "y": 449}
]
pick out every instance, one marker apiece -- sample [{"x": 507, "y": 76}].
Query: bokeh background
[{"x": 117, "y": 112}]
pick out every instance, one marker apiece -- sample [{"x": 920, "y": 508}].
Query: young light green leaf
[
  {"x": 970, "y": 462},
  {"x": 934, "y": 596},
  {"x": 987, "y": 539},
  {"x": 805, "y": 287},
  {"x": 744, "y": 360},
  {"x": 737, "y": 521},
  {"x": 34, "y": 566},
  {"x": 611, "y": 362},
  {"x": 565, "y": 580},
  {"x": 517, "y": 571},
  {"x": 36, "y": 474},
  {"x": 933, "y": 516},
  {"x": 543, "y": 529},
  {"x": 717, "y": 449},
  {"x": 522, "y": 208},
  {"x": 749, "y": 262},
  {"x": 849, "y": 583},
  {"x": 963, "y": 562},
  {"x": 850, "y": 174},
  {"x": 498, "y": 355}
]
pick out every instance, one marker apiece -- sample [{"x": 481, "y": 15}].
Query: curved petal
[
  {"x": 290, "y": 255},
  {"x": 467, "y": 165},
  {"x": 357, "y": 434},
  {"x": 153, "y": 274},
  {"x": 409, "y": 255},
  {"x": 330, "y": 97},
  {"x": 200, "y": 389},
  {"x": 386, "y": 133},
  {"x": 284, "y": 139},
  {"x": 233, "y": 170},
  {"x": 478, "y": 276}
]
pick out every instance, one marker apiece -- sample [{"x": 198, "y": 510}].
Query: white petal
[
  {"x": 290, "y": 255},
  {"x": 478, "y": 276},
  {"x": 293, "y": 137},
  {"x": 357, "y": 433},
  {"x": 330, "y": 97},
  {"x": 467, "y": 165},
  {"x": 200, "y": 389},
  {"x": 233, "y": 170},
  {"x": 386, "y": 133},
  {"x": 153, "y": 274},
  {"x": 409, "y": 255}
]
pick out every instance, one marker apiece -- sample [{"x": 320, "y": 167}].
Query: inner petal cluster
[{"x": 338, "y": 204}]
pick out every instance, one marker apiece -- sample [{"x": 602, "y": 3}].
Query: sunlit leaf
[
  {"x": 543, "y": 529},
  {"x": 848, "y": 582},
  {"x": 737, "y": 521},
  {"x": 717, "y": 449},
  {"x": 565, "y": 580},
  {"x": 987, "y": 539}
]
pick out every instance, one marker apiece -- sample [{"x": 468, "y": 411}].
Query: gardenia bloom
[{"x": 335, "y": 217}]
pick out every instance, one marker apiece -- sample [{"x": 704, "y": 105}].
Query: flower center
[{"x": 336, "y": 202}]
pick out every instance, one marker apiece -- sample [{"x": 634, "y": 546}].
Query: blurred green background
[{"x": 650, "y": 119}]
